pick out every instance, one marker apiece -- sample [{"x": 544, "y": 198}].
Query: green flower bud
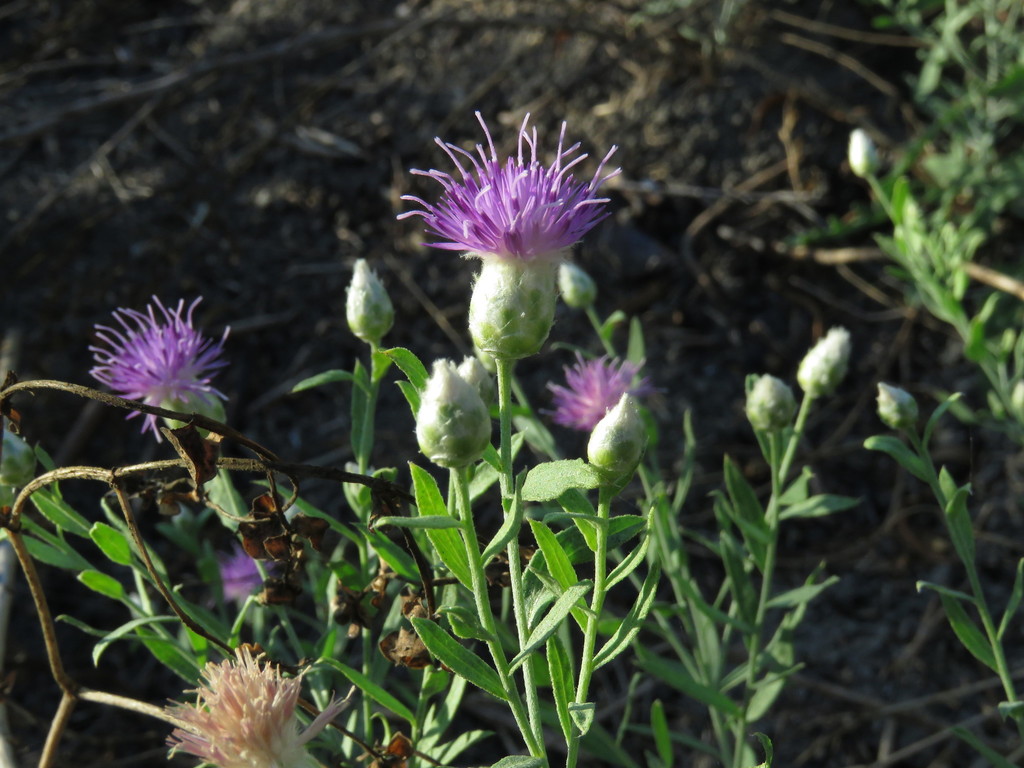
[
  {"x": 18, "y": 465},
  {"x": 1017, "y": 399},
  {"x": 618, "y": 441},
  {"x": 897, "y": 408},
  {"x": 473, "y": 372},
  {"x": 367, "y": 306},
  {"x": 578, "y": 289},
  {"x": 194, "y": 402},
  {"x": 824, "y": 366},
  {"x": 512, "y": 307},
  {"x": 770, "y": 404},
  {"x": 453, "y": 426},
  {"x": 862, "y": 155}
]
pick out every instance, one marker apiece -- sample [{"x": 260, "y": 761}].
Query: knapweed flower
[
  {"x": 244, "y": 717},
  {"x": 160, "y": 359},
  {"x": 522, "y": 209},
  {"x": 593, "y": 388},
  {"x": 239, "y": 576}
]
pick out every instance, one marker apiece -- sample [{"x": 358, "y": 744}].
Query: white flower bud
[
  {"x": 473, "y": 372},
  {"x": 770, "y": 404},
  {"x": 897, "y": 408},
  {"x": 1017, "y": 399},
  {"x": 18, "y": 465},
  {"x": 862, "y": 155},
  {"x": 453, "y": 426},
  {"x": 367, "y": 306},
  {"x": 618, "y": 441},
  {"x": 578, "y": 289},
  {"x": 512, "y": 307},
  {"x": 825, "y": 365}
]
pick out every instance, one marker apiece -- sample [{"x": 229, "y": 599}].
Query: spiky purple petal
[
  {"x": 593, "y": 387},
  {"x": 158, "y": 359},
  {"x": 521, "y": 210}
]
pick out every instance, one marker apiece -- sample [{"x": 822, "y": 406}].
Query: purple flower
[
  {"x": 239, "y": 575},
  {"x": 593, "y": 388},
  {"x": 521, "y": 210},
  {"x": 161, "y": 360}
]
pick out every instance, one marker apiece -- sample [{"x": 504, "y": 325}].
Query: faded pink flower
[{"x": 244, "y": 717}]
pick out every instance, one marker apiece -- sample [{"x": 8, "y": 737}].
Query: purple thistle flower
[
  {"x": 593, "y": 388},
  {"x": 162, "y": 361},
  {"x": 523, "y": 210},
  {"x": 239, "y": 575}
]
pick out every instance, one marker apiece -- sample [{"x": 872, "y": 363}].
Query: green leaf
[
  {"x": 551, "y": 479},
  {"x": 960, "y": 529},
  {"x": 954, "y": 593},
  {"x": 740, "y": 585},
  {"x": 410, "y": 365},
  {"x": 63, "y": 557},
  {"x": 460, "y": 660},
  {"x": 465, "y": 623},
  {"x": 555, "y": 616},
  {"x": 562, "y": 685},
  {"x": 434, "y": 522},
  {"x": 769, "y": 751},
  {"x": 629, "y": 563},
  {"x": 967, "y": 631},
  {"x": 60, "y": 513},
  {"x": 112, "y": 543},
  {"x": 662, "y": 739},
  {"x": 582, "y": 716},
  {"x": 897, "y": 450},
  {"x": 555, "y": 558},
  {"x": 933, "y": 420},
  {"x": 411, "y": 395},
  {"x": 630, "y": 626},
  {"x": 509, "y": 528},
  {"x": 519, "y": 761},
  {"x": 373, "y": 690},
  {"x": 819, "y": 506},
  {"x": 130, "y": 630},
  {"x": 801, "y": 595},
  {"x": 1011, "y": 709},
  {"x": 327, "y": 377},
  {"x": 103, "y": 583},
  {"x": 675, "y": 674},
  {"x": 1014, "y": 602},
  {"x": 994, "y": 758},
  {"x": 447, "y": 543}
]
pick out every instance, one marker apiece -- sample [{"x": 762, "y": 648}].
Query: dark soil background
[{"x": 250, "y": 151}]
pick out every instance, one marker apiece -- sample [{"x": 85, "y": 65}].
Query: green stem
[
  {"x": 483, "y": 606},
  {"x": 596, "y": 606},
  {"x": 980, "y": 603},
  {"x": 596, "y": 322},
  {"x": 780, "y": 471},
  {"x": 515, "y": 568}
]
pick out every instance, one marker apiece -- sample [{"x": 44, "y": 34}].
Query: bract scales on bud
[
  {"x": 770, "y": 404},
  {"x": 897, "y": 408},
  {"x": 824, "y": 366},
  {"x": 578, "y": 288},
  {"x": 368, "y": 308},
  {"x": 453, "y": 426},
  {"x": 618, "y": 441}
]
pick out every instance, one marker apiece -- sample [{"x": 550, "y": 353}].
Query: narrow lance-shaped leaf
[{"x": 460, "y": 660}]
